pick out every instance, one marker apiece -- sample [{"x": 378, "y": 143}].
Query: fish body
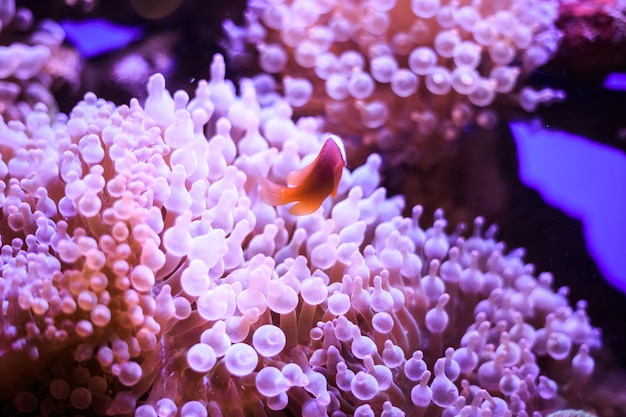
[{"x": 310, "y": 185}]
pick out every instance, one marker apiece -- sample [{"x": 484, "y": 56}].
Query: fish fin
[
  {"x": 337, "y": 178},
  {"x": 300, "y": 176},
  {"x": 271, "y": 193},
  {"x": 328, "y": 157},
  {"x": 305, "y": 207}
]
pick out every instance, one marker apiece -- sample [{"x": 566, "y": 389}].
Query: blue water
[{"x": 587, "y": 181}]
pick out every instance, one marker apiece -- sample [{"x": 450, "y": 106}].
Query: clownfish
[{"x": 310, "y": 185}]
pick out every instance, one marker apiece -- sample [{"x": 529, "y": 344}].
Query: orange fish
[{"x": 310, "y": 185}]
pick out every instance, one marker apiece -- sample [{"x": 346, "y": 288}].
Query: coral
[
  {"x": 141, "y": 273},
  {"x": 399, "y": 72}
]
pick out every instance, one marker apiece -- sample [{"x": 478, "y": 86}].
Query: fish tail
[{"x": 272, "y": 193}]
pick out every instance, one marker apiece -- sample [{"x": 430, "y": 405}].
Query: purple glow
[
  {"x": 587, "y": 181},
  {"x": 615, "y": 81},
  {"x": 94, "y": 37}
]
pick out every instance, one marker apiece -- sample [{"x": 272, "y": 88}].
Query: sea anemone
[
  {"x": 395, "y": 73},
  {"x": 31, "y": 60},
  {"x": 142, "y": 273}
]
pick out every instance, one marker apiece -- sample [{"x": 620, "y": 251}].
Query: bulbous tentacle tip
[{"x": 571, "y": 413}]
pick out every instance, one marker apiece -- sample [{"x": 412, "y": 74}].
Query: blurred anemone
[
  {"x": 394, "y": 73},
  {"x": 141, "y": 273},
  {"x": 84, "y": 5},
  {"x": 32, "y": 62},
  {"x": 149, "y": 9}
]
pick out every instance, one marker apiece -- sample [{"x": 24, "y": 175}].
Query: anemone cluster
[
  {"x": 29, "y": 61},
  {"x": 388, "y": 68},
  {"x": 142, "y": 274}
]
